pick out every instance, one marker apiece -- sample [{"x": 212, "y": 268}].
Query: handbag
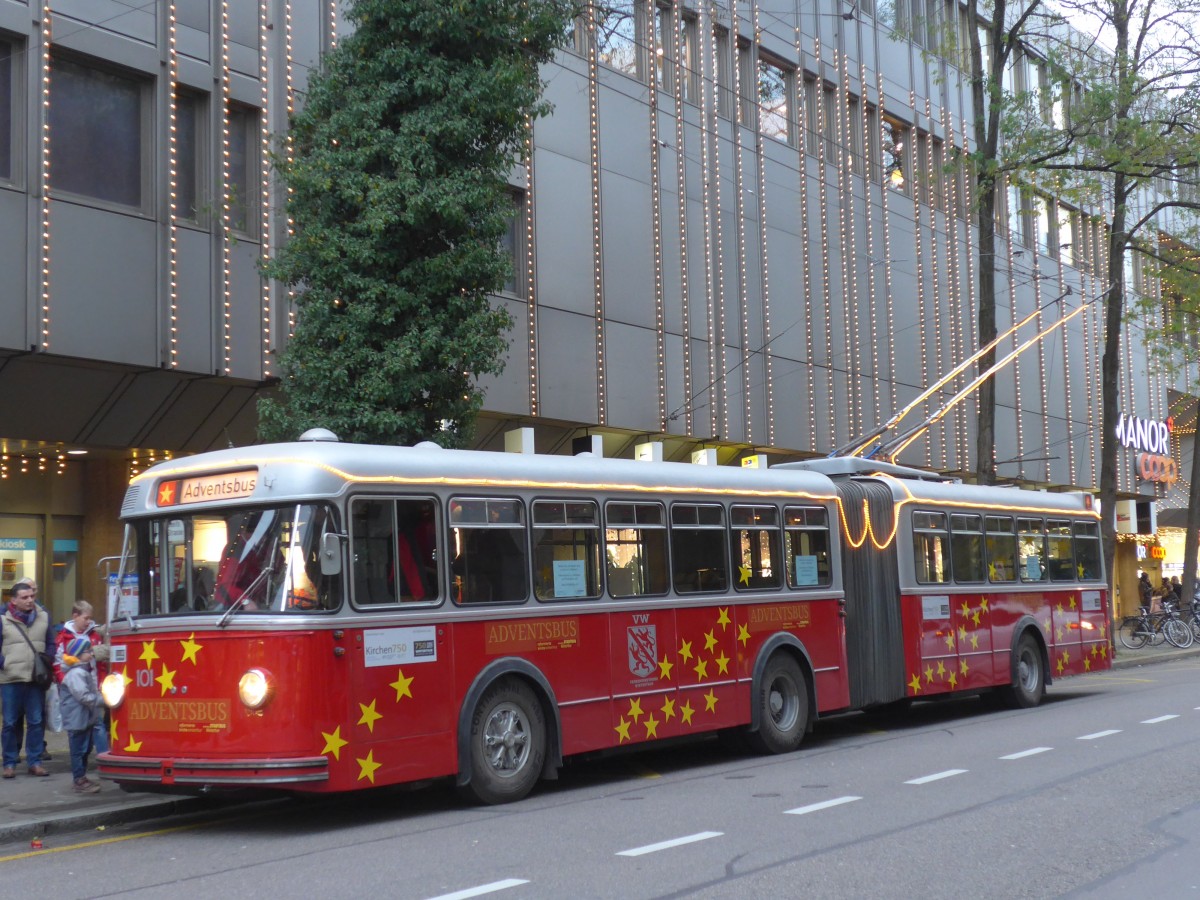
[{"x": 43, "y": 672}]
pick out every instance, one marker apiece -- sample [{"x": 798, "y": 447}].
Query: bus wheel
[
  {"x": 1029, "y": 681},
  {"x": 508, "y": 743},
  {"x": 782, "y": 700}
]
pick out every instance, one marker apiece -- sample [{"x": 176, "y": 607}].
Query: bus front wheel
[
  {"x": 782, "y": 699},
  {"x": 508, "y": 743}
]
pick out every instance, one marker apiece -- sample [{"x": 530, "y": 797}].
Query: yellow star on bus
[
  {"x": 369, "y": 717},
  {"x": 651, "y": 724},
  {"x": 966, "y": 608},
  {"x": 963, "y": 667},
  {"x": 1060, "y": 667},
  {"x": 668, "y": 709},
  {"x": 635, "y": 708},
  {"x": 149, "y": 654},
  {"x": 710, "y": 641},
  {"x": 915, "y": 684},
  {"x": 743, "y": 635},
  {"x": 722, "y": 662},
  {"x": 1087, "y": 664},
  {"x": 701, "y": 669},
  {"x": 334, "y": 742},
  {"x": 710, "y": 702},
  {"x": 723, "y": 618},
  {"x": 622, "y": 731},
  {"x": 974, "y": 640},
  {"x": 402, "y": 685},
  {"x": 1072, "y": 603},
  {"x": 133, "y": 746},
  {"x": 941, "y": 669},
  {"x": 950, "y": 641},
  {"x": 127, "y": 679},
  {"x": 744, "y": 575},
  {"x": 952, "y": 680},
  {"x": 686, "y": 650},
  {"x": 929, "y": 674},
  {"x": 190, "y": 649},
  {"x": 167, "y": 680},
  {"x": 962, "y": 634},
  {"x": 685, "y": 712},
  {"x": 112, "y": 732},
  {"x": 664, "y": 668},
  {"x": 975, "y": 617},
  {"x": 983, "y": 604},
  {"x": 367, "y": 767}
]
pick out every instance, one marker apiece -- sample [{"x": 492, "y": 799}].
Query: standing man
[{"x": 24, "y": 702}]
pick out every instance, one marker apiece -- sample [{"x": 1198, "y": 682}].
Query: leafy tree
[{"x": 396, "y": 180}]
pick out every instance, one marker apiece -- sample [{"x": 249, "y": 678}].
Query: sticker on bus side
[
  {"x": 118, "y": 653},
  {"x": 1090, "y": 600},
  {"x": 399, "y": 646},
  {"x": 935, "y": 607}
]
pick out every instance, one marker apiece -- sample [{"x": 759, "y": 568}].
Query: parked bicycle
[{"x": 1155, "y": 627}]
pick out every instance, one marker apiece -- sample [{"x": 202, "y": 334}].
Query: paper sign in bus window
[
  {"x": 1033, "y": 568},
  {"x": 806, "y": 571},
  {"x": 570, "y": 578}
]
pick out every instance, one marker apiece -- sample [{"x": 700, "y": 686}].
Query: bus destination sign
[{"x": 228, "y": 486}]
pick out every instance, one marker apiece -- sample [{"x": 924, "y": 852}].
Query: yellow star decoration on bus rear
[
  {"x": 635, "y": 708},
  {"x": 710, "y": 641},
  {"x": 112, "y": 732},
  {"x": 1087, "y": 664},
  {"x": 1072, "y": 603},
  {"x": 915, "y": 684},
  {"x": 1058, "y": 635},
  {"x": 962, "y": 634},
  {"x": 334, "y": 742},
  {"x": 1104, "y": 650},
  {"x": 929, "y": 674},
  {"x": 722, "y": 662},
  {"x": 701, "y": 669},
  {"x": 723, "y": 618},
  {"x": 622, "y": 731},
  {"x": 651, "y": 724},
  {"x": 126, "y": 678},
  {"x": 664, "y": 668},
  {"x": 743, "y": 635},
  {"x": 367, "y": 767},
  {"x": 975, "y": 617},
  {"x": 744, "y": 575},
  {"x": 952, "y": 680},
  {"x": 974, "y": 640},
  {"x": 710, "y": 701},
  {"x": 966, "y": 609},
  {"x": 686, "y": 650},
  {"x": 963, "y": 667},
  {"x": 686, "y": 712},
  {"x": 668, "y": 709},
  {"x": 369, "y": 717},
  {"x": 941, "y": 669},
  {"x": 402, "y": 685},
  {"x": 950, "y": 641},
  {"x": 167, "y": 680},
  {"x": 133, "y": 746},
  {"x": 149, "y": 654},
  {"x": 983, "y": 603},
  {"x": 190, "y": 649}
]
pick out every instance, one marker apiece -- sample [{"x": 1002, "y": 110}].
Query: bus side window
[
  {"x": 966, "y": 544},
  {"x": 491, "y": 562},
  {"x": 1060, "y": 558},
  {"x": 698, "y": 548},
  {"x": 931, "y": 550},
  {"x": 806, "y": 552},
  {"x": 1031, "y": 542},
  {"x": 754, "y": 542},
  {"x": 1087, "y": 551},
  {"x": 372, "y": 527},
  {"x": 1001, "y": 549},
  {"x": 415, "y": 567},
  {"x": 635, "y": 540}
]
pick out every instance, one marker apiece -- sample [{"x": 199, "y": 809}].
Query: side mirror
[{"x": 331, "y": 553}]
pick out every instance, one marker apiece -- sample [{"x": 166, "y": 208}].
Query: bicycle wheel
[
  {"x": 1177, "y": 634},
  {"x": 1134, "y": 633},
  {"x": 1194, "y": 622},
  {"x": 1157, "y": 628}
]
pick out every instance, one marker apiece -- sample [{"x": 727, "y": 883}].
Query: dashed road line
[
  {"x": 674, "y": 842},
  {"x": 937, "y": 776},
  {"x": 1098, "y": 734},
  {"x": 1033, "y": 751},
  {"x": 816, "y": 807},
  {"x": 1155, "y": 721},
  {"x": 483, "y": 889}
]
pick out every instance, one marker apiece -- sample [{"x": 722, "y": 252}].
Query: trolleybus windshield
[{"x": 246, "y": 558}]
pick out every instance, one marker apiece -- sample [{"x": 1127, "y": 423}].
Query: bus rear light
[
  {"x": 113, "y": 690},
  {"x": 255, "y": 688}
]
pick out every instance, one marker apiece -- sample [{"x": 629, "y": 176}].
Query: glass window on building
[
  {"x": 619, "y": 36},
  {"x": 893, "y": 146},
  {"x": 811, "y": 131},
  {"x": 829, "y": 125},
  {"x": 747, "y": 88},
  {"x": 775, "y": 87},
  {"x": 1045, "y": 222},
  {"x": 244, "y": 187},
  {"x": 724, "y": 66},
  {"x": 189, "y": 155},
  {"x": 1066, "y": 235},
  {"x": 99, "y": 126},
  {"x": 513, "y": 242},
  {"x": 664, "y": 47},
  {"x": 7, "y": 66},
  {"x": 931, "y": 547},
  {"x": 635, "y": 547},
  {"x": 690, "y": 56},
  {"x": 854, "y": 138}
]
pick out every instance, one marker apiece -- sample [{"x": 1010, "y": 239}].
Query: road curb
[
  {"x": 1132, "y": 658},
  {"x": 151, "y": 807}
]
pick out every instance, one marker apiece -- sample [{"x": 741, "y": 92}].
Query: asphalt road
[{"x": 1090, "y": 795}]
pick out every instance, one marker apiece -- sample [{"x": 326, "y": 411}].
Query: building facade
[{"x": 744, "y": 228}]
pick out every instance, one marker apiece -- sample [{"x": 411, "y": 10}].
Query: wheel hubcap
[
  {"x": 506, "y": 740},
  {"x": 783, "y": 704}
]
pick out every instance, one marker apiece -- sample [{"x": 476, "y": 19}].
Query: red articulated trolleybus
[{"x": 321, "y": 616}]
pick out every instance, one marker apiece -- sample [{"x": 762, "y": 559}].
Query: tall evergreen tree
[{"x": 397, "y": 195}]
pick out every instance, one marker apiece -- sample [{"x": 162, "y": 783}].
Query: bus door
[
  {"x": 401, "y": 714},
  {"x": 1066, "y": 613},
  {"x": 972, "y": 610}
]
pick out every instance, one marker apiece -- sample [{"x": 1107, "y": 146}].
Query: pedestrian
[
  {"x": 1145, "y": 590},
  {"x": 81, "y": 625},
  {"x": 24, "y": 636},
  {"x": 80, "y": 709}
]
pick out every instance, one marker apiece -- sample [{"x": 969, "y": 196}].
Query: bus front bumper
[{"x": 198, "y": 773}]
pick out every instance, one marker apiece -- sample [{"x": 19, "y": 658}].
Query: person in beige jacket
[{"x": 24, "y": 701}]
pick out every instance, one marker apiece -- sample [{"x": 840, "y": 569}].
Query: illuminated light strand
[
  {"x": 959, "y": 343},
  {"x": 802, "y": 198},
  {"x": 710, "y": 174},
  {"x": 739, "y": 205},
  {"x": 768, "y": 353},
  {"x": 656, "y": 225},
  {"x": 1037, "y": 300},
  {"x": 1090, "y": 334},
  {"x": 919, "y": 250},
  {"x": 226, "y": 195},
  {"x": 531, "y": 298},
  {"x": 884, "y": 192},
  {"x": 44, "y": 337},
  {"x": 967, "y": 206},
  {"x": 264, "y": 137},
  {"x": 1012, "y": 299},
  {"x": 826, "y": 288},
  {"x": 597, "y": 250},
  {"x": 939, "y": 342},
  {"x": 720, "y": 396},
  {"x": 1068, "y": 416},
  {"x": 333, "y": 32},
  {"x": 289, "y": 144},
  {"x": 681, "y": 187},
  {"x": 172, "y": 189},
  {"x": 845, "y": 246},
  {"x": 868, "y": 189}
]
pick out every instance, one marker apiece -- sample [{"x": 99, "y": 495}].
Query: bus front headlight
[
  {"x": 113, "y": 690},
  {"x": 255, "y": 688}
]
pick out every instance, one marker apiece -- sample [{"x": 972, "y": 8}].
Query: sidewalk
[{"x": 1124, "y": 658}]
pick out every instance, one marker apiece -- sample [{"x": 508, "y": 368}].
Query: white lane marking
[
  {"x": 674, "y": 842},
  {"x": 482, "y": 889},
  {"x": 1031, "y": 752},
  {"x": 1159, "y": 719},
  {"x": 1098, "y": 734},
  {"x": 937, "y": 776},
  {"x": 816, "y": 807}
]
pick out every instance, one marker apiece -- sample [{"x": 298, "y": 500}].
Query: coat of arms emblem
[{"x": 643, "y": 650}]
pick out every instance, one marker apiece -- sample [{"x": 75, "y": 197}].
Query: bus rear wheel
[
  {"x": 1029, "y": 680},
  {"x": 782, "y": 700},
  {"x": 508, "y": 743}
]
